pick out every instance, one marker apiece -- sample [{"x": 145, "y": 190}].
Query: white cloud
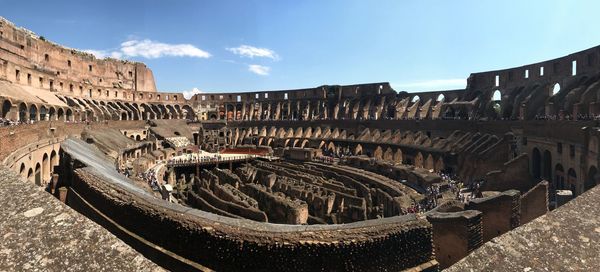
[
  {"x": 151, "y": 50},
  {"x": 251, "y": 52},
  {"x": 435, "y": 84},
  {"x": 259, "y": 69},
  {"x": 192, "y": 92},
  {"x": 104, "y": 53}
]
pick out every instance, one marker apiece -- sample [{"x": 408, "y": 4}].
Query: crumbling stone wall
[
  {"x": 230, "y": 244},
  {"x": 534, "y": 203},
  {"x": 500, "y": 213},
  {"x": 455, "y": 234}
]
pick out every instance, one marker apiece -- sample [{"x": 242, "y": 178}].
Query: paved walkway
[
  {"x": 566, "y": 239},
  {"x": 39, "y": 233}
]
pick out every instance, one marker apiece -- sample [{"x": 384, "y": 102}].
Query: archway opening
[
  {"x": 547, "y": 166},
  {"x": 30, "y": 174},
  {"x": 555, "y": 89},
  {"x": 497, "y": 96},
  {"x": 441, "y": 98},
  {"x": 45, "y": 167},
  {"x": 6, "y": 106},
  {"x": 33, "y": 113},
  {"x": 536, "y": 163},
  {"x": 38, "y": 174}
]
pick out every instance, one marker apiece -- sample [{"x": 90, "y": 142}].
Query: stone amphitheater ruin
[{"x": 102, "y": 171}]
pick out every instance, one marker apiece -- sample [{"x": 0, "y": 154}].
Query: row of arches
[
  {"x": 394, "y": 136},
  {"x": 429, "y": 161},
  {"x": 375, "y": 108},
  {"x": 542, "y": 167},
  {"x": 38, "y": 170},
  {"x": 81, "y": 109}
]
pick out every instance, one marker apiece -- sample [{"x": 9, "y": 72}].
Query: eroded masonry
[{"x": 356, "y": 177}]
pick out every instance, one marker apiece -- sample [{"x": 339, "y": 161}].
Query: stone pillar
[
  {"x": 455, "y": 234},
  {"x": 53, "y": 183},
  {"x": 62, "y": 194},
  {"x": 13, "y": 113}
]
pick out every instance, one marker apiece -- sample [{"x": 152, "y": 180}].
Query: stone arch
[
  {"x": 304, "y": 143},
  {"x": 388, "y": 155},
  {"x": 546, "y": 170},
  {"x": 6, "y": 108},
  {"x": 23, "y": 112},
  {"x": 418, "y": 160},
  {"x": 60, "y": 114},
  {"x": 189, "y": 112},
  {"x": 46, "y": 166},
  {"x": 497, "y": 96},
  {"x": 69, "y": 115},
  {"x": 53, "y": 158},
  {"x": 428, "y": 163},
  {"x": 554, "y": 89},
  {"x": 51, "y": 113},
  {"x": 38, "y": 174},
  {"x": 30, "y": 175},
  {"x": 147, "y": 112},
  {"x": 441, "y": 98},
  {"x": 378, "y": 153},
  {"x": 43, "y": 113},
  {"x": 22, "y": 169},
  {"x": 398, "y": 156},
  {"x": 33, "y": 113},
  {"x": 358, "y": 150},
  {"x": 171, "y": 112},
  {"x": 331, "y": 147},
  {"x": 138, "y": 138},
  {"x": 536, "y": 163}
]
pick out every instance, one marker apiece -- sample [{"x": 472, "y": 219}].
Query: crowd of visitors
[
  {"x": 325, "y": 159},
  {"x": 7, "y": 122},
  {"x": 178, "y": 141},
  {"x": 151, "y": 178},
  {"x": 125, "y": 171},
  {"x": 568, "y": 117}
]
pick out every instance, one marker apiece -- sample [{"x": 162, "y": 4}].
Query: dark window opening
[
  {"x": 572, "y": 150},
  {"x": 559, "y": 148}
]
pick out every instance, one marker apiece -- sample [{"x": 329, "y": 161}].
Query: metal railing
[{"x": 213, "y": 160}]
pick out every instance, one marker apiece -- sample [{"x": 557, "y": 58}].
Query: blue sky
[{"x": 230, "y": 46}]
